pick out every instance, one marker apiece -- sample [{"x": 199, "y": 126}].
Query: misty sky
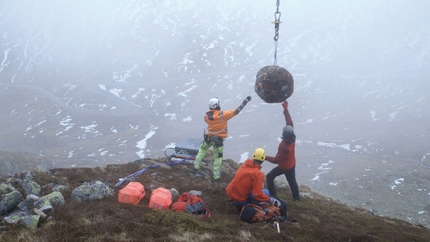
[{"x": 344, "y": 33}]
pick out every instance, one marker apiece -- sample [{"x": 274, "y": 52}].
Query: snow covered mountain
[{"x": 89, "y": 83}]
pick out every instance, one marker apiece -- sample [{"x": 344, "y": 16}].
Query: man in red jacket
[
  {"x": 247, "y": 183},
  {"x": 285, "y": 158}
]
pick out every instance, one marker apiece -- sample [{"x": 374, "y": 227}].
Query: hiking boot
[
  {"x": 197, "y": 164},
  {"x": 282, "y": 219}
]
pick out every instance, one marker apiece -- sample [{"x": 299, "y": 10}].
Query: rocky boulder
[{"x": 91, "y": 191}]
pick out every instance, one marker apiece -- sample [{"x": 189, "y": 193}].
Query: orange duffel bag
[
  {"x": 132, "y": 193},
  {"x": 161, "y": 198}
]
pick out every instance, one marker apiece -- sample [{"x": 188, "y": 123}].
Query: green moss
[{"x": 176, "y": 220}]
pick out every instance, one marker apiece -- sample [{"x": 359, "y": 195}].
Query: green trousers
[{"x": 218, "y": 153}]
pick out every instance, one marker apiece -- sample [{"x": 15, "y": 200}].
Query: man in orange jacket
[
  {"x": 247, "y": 184},
  {"x": 285, "y": 158},
  {"x": 216, "y": 133}
]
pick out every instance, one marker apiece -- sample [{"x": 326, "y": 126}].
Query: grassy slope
[{"x": 319, "y": 218}]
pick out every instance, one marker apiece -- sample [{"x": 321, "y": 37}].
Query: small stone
[{"x": 40, "y": 213}]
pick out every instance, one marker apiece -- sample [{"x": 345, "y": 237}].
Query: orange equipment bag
[
  {"x": 194, "y": 204},
  {"x": 161, "y": 198},
  {"x": 132, "y": 193}
]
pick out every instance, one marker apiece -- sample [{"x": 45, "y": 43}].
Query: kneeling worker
[{"x": 247, "y": 184}]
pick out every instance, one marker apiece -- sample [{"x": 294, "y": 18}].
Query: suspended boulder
[{"x": 274, "y": 84}]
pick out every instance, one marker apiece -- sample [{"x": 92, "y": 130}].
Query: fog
[{"x": 89, "y": 83}]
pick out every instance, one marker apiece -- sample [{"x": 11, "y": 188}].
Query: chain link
[{"x": 276, "y": 22}]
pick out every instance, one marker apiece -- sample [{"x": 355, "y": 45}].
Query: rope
[{"x": 121, "y": 180}]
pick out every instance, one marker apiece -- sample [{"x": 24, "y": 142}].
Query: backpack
[
  {"x": 194, "y": 204},
  {"x": 262, "y": 212}
]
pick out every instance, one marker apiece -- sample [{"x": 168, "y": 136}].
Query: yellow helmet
[{"x": 259, "y": 154}]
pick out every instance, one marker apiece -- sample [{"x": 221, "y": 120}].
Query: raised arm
[
  {"x": 242, "y": 105},
  {"x": 287, "y": 115}
]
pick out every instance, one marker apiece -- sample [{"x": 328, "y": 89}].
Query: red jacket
[
  {"x": 248, "y": 178},
  {"x": 286, "y": 156}
]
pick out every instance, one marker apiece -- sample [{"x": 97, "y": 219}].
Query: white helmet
[{"x": 214, "y": 103}]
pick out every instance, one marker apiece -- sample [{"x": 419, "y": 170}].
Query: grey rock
[
  {"x": 174, "y": 192},
  {"x": 6, "y": 188},
  {"x": 30, "y": 221},
  {"x": 91, "y": 191},
  {"x": 9, "y": 201},
  {"x": 27, "y": 177},
  {"x": 54, "y": 198},
  {"x": 31, "y": 187},
  {"x": 195, "y": 193},
  {"x": 27, "y": 203},
  {"x": 40, "y": 213},
  {"x": 49, "y": 210},
  {"x": 15, "y": 216},
  {"x": 60, "y": 188}
]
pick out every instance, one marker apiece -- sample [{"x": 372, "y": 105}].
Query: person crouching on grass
[{"x": 247, "y": 185}]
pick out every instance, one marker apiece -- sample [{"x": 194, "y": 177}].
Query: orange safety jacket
[
  {"x": 248, "y": 178},
  {"x": 217, "y": 122}
]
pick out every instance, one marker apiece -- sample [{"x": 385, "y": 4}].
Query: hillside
[
  {"x": 14, "y": 162},
  {"x": 319, "y": 218}
]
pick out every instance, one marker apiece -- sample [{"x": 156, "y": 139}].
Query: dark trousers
[{"x": 291, "y": 178}]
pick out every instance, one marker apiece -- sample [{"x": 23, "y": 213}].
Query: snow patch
[
  {"x": 397, "y": 182},
  {"x": 187, "y": 119},
  {"x": 243, "y": 157},
  {"x": 324, "y": 167},
  {"x": 116, "y": 91},
  {"x": 103, "y": 87},
  {"x": 142, "y": 143},
  {"x": 171, "y": 115},
  {"x": 90, "y": 128}
]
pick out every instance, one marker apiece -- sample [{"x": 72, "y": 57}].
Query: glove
[
  {"x": 274, "y": 201},
  {"x": 247, "y": 99},
  {"x": 285, "y": 104}
]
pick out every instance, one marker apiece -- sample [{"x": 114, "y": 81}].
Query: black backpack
[{"x": 262, "y": 212}]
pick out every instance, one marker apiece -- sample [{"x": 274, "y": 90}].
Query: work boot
[
  {"x": 197, "y": 164},
  {"x": 216, "y": 174},
  {"x": 282, "y": 219}
]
